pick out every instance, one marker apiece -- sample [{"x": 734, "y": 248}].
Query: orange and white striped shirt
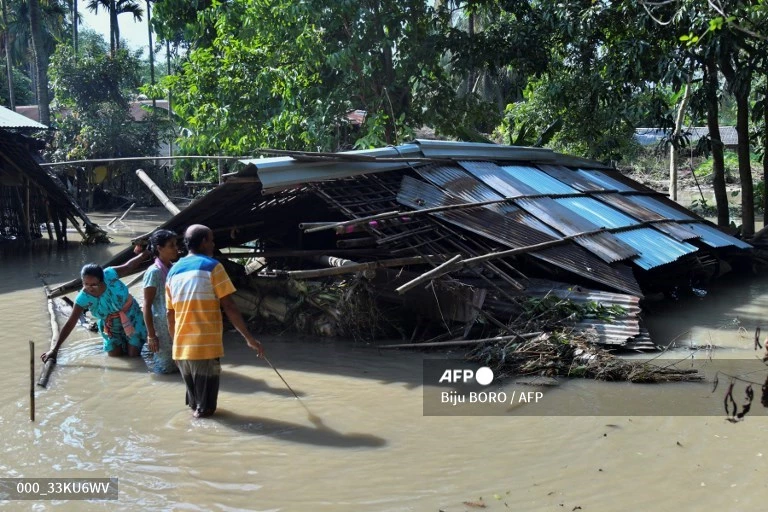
[{"x": 193, "y": 290}]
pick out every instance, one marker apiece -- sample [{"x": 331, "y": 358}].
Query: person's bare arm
[
  {"x": 64, "y": 333},
  {"x": 230, "y": 309},
  {"x": 171, "y": 316},
  {"x": 149, "y": 296},
  {"x": 130, "y": 266}
]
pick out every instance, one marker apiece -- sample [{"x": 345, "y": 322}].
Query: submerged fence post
[{"x": 31, "y": 380}]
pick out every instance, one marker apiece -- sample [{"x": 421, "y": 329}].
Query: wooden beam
[{"x": 351, "y": 269}]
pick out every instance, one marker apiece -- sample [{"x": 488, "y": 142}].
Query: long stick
[
  {"x": 313, "y": 418},
  {"x": 126, "y": 212},
  {"x": 281, "y": 378},
  {"x": 45, "y": 374},
  {"x": 457, "y": 343},
  {"x": 441, "y": 269},
  {"x": 31, "y": 380}
]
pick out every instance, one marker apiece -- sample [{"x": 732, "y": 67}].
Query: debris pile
[{"x": 446, "y": 244}]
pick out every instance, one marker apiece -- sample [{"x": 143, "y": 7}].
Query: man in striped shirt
[{"x": 197, "y": 289}]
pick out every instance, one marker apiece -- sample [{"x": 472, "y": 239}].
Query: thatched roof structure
[{"x": 31, "y": 199}]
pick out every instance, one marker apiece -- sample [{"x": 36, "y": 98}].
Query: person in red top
[{"x": 197, "y": 289}]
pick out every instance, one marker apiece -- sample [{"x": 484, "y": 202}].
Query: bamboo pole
[
  {"x": 456, "y": 343},
  {"x": 439, "y": 270},
  {"x": 23, "y": 215},
  {"x": 292, "y": 253},
  {"x": 126, "y": 212},
  {"x": 158, "y": 192},
  {"x": 45, "y": 374},
  {"x": 48, "y": 218},
  {"x": 350, "y": 243},
  {"x": 351, "y": 269},
  {"x": 31, "y": 380},
  {"x": 141, "y": 159},
  {"x": 77, "y": 227}
]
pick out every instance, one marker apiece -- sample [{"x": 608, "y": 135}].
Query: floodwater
[{"x": 368, "y": 446}]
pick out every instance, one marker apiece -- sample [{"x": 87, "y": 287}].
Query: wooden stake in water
[{"x": 31, "y": 380}]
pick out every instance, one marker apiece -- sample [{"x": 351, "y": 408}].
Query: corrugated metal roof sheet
[
  {"x": 284, "y": 172},
  {"x": 655, "y": 248},
  {"x": 714, "y": 237},
  {"x": 555, "y": 215},
  {"x": 419, "y": 195},
  {"x": 493, "y": 176},
  {"x": 676, "y": 231},
  {"x": 571, "y": 178},
  {"x": 460, "y": 183},
  {"x": 501, "y": 229},
  {"x": 606, "y": 246},
  {"x": 656, "y": 205},
  {"x": 625, "y": 204},
  {"x": 596, "y": 212},
  {"x": 538, "y": 180},
  {"x": 605, "y": 181},
  {"x": 520, "y": 215},
  {"x": 11, "y": 119},
  {"x": 560, "y": 218}
]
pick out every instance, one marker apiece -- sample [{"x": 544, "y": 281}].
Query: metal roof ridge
[
  {"x": 285, "y": 171},
  {"x": 12, "y": 119}
]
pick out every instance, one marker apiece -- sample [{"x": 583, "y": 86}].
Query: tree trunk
[
  {"x": 673, "y": 147},
  {"x": 170, "y": 104},
  {"x": 8, "y": 64},
  {"x": 718, "y": 162},
  {"x": 765, "y": 154},
  {"x": 74, "y": 25},
  {"x": 113, "y": 23},
  {"x": 745, "y": 169},
  {"x": 41, "y": 62},
  {"x": 151, "y": 50},
  {"x": 112, "y": 45}
]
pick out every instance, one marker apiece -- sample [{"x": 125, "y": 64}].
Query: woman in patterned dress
[{"x": 107, "y": 298}]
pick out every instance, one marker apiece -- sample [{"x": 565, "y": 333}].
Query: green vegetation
[{"x": 574, "y": 76}]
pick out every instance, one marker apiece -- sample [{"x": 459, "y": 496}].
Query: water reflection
[{"x": 372, "y": 449}]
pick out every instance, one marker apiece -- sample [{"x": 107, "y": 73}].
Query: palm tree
[
  {"x": 115, "y": 8},
  {"x": 41, "y": 61},
  {"x": 50, "y": 25}
]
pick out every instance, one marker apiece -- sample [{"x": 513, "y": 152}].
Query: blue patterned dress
[{"x": 111, "y": 301}]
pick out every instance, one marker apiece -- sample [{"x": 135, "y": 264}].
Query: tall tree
[
  {"x": 41, "y": 61},
  {"x": 738, "y": 72},
  {"x": 94, "y": 92},
  {"x": 114, "y": 8},
  {"x": 284, "y": 74},
  {"x": 8, "y": 61}
]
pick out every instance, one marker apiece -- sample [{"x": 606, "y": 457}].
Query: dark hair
[
  {"x": 194, "y": 238},
  {"x": 93, "y": 270},
  {"x": 159, "y": 238}
]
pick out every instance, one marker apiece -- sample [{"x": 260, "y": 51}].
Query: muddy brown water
[{"x": 374, "y": 449}]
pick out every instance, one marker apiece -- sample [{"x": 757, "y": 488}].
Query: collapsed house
[
  {"x": 31, "y": 199},
  {"x": 455, "y": 238}
]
